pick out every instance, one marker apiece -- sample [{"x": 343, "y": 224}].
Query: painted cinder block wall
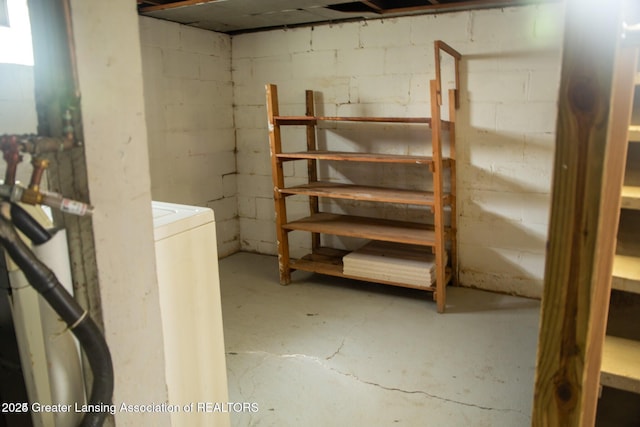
[
  {"x": 506, "y": 122},
  {"x": 510, "y": 75},
  {"x": 189, "y": 115}
]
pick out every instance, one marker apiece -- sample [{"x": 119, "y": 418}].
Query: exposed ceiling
[{"x": 236, "y": 16}]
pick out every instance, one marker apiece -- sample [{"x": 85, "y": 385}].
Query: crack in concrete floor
[
  {"x": 321, "y": 362},
  {"x": 335, "y": 353}
]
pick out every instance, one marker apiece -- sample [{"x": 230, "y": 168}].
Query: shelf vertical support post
[
  {"x": 590, "y": 135},
  {"x": 438, "y": 46},
  {"x": 275, "y": 147},
  {"x": 453, "y": 96},
  {"x": 438, "y": 223},
  {"x": 312, "y": 164}
]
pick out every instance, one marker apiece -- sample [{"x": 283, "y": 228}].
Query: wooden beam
[
  {"x": 585, "y": 201},
  {"x": 373, "y": 4},
  {"x": 174, "y": 4},
  {"x": 436, "y": 6}
]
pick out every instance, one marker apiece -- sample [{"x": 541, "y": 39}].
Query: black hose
[
  {"x": 80, "y": 323},
  {"x": 94, "y": 346},
  {"x": 31, "y": 228}
]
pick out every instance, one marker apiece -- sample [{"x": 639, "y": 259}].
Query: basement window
[
  {"x": 15, "y": 33},
  {"x": 4, "y": 14}
]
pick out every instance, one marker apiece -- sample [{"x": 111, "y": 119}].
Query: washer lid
[{"x": 171, "y": 218}]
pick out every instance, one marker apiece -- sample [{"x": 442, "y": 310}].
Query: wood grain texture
[
  {"x": 585, "y": 200},
  {"x": 329, "y": 261},
  {"x": 366, "y": 228},
  {"x": 312, "y": 164},
  {"x": 438, "y": 212},
  {"x": 308, "y": 120},
  {"x": 436, "y": 237},
  {"x": 610, "y": 204},
  {"x": 438, "y": 47},
  {"x": 357, "y": 157},
  {"x": 453, "y": 96},
  {"x": 275, "y": 146},
  {"x": 620, "y": 367},
  {"x": 337, "y": 190},
  {"x": 304, "y": 120}
]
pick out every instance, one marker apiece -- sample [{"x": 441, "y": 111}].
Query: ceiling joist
[{"x": 236, "y": 16}]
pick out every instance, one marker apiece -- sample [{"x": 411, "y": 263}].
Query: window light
[{"x": 15, "y": 39}]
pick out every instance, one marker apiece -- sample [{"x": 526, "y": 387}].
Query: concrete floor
[{"x": 326, "y": 351}]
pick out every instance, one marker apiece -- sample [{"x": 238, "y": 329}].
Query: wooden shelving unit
[
  {"x": 431, "y": 233},
  {"x": 621, "y": 354},
  {"x": 620, "y": 367}
]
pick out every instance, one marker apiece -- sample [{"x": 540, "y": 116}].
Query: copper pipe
[
  {"x": 34, "y": 144},
  {"x": 49, "y": 145},
  {"x": 39, "y": 166},
  {"x": 11, "y": 154},
  {"x": 71, "y": 47}
]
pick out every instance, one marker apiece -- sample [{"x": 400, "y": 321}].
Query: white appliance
[
  {"x": 189, "y": 287},
  {"x": 49, "y": 353}
]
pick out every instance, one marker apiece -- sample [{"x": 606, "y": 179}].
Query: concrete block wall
[
  {"x": 506, "y": 122},
  {"x": 188, "y": 103},
  {"x": 207, "y": 124},
  {"x": 118, "y": 179}
]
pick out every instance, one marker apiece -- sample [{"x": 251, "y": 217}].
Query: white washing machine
[{"x": 189, "y": 287}]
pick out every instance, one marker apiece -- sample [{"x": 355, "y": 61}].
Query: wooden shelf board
[
  {"x": 329, "y": 261},
  {"x": 367, "y": 228},
  {"x": 310, "y": 120},
  {"x": 630, "y": 197},
  {"x": 360, "y": 227},
  {"x": 359, "y": 157},
  {"x": 295, "y": 120},
  {"x": 626, "y": 273},
  {"x": 634, "y": 133},
  {"x": 628, "y": 239},
  {"x": 360, "y": 192},
  {"x": 621, "y": 364}
]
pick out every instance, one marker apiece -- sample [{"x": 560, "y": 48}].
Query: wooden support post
[
  {"x": 585, "y": 200},
  {"x": 312, "y": 164},
  {"x": 438, "y": 46},
  {"x": 438, "y": 223},
  {"x": 453, "y": 96},
  {"x": 278, "y": 182}
]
